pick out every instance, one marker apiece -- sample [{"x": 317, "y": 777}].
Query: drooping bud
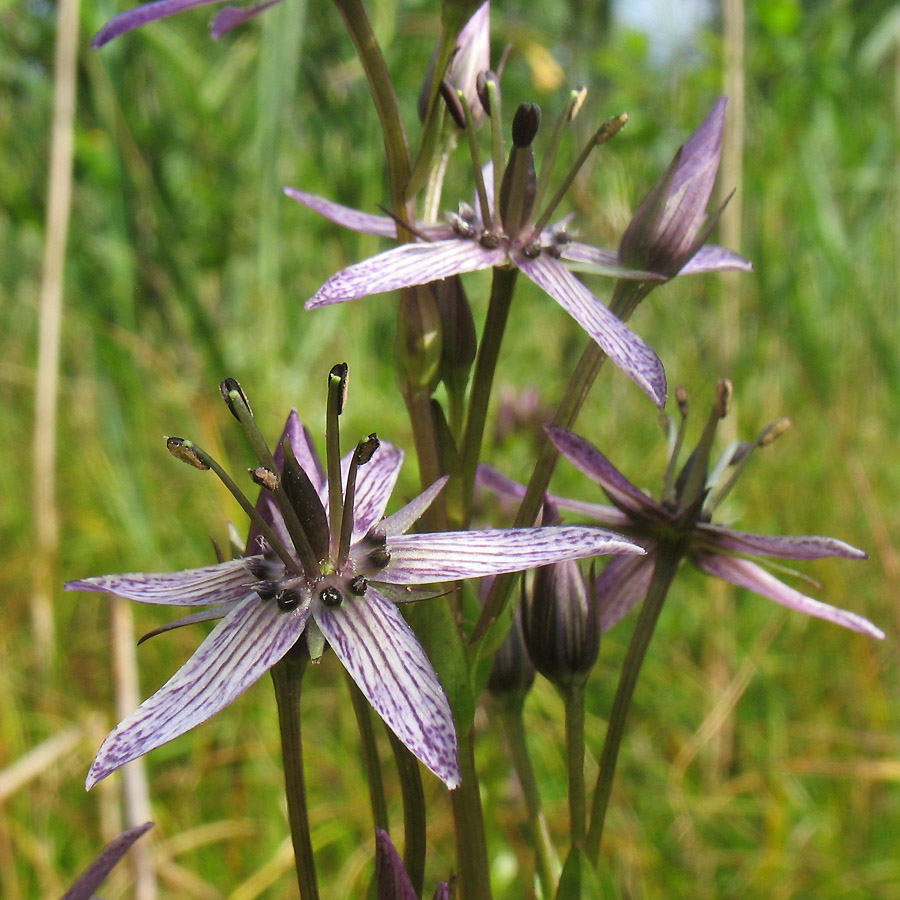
[
  {"x": 458, "y": 341},
  {"x": 184, "y": 450},
  {"x": 560, "y": 624},
  {"x": 512, "y": 671}
]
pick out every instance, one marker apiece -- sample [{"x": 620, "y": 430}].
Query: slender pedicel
[{"x": 668, "y": 491}]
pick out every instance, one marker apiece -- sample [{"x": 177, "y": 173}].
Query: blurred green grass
[{"x": 184, "y": 266}]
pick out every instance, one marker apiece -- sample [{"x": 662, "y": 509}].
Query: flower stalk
[{"x": 287, "y": 676}]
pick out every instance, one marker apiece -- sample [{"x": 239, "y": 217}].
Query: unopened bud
[
  {"x": 184, "y": 450},
  {"x": 681, "y": 398},
  {"x": 560, "y": 624},
  {"x": 512, "y": 671},
  {"x": 526, "y": 123}
]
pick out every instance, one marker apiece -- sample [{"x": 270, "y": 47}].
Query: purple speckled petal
[
  {"x": 367, "y": 223},
  {"x": 634, "y": 357},
  {"x": 753, "y": 577},
  {"x": 488, "y": 477},
  {"x": 387, "y": 662},
  {"x": 374, "y": 483},
  {"x": 243, "y": 646},
  {"x": 603, "y": 262},
  {"x": 142, "y": 15},
  {"x": 402, "y": 520},
  {"x": 232, "y": 17},
  {"x": 586, "y": 457},
  {"x": 405, "y": 266},
  {"x": 390, "y": 873},
  {"x": 92, "y": 877},
  {"x": 621, "y": 586},
  {"x": 220, "y": 583},
  {"x": 782, "y": 546},
  {"x": 449, "y": 556},
  {"x": 712, "y": 258}
]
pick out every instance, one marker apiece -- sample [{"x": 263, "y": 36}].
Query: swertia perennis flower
[
  {"x": 323, "y": 564},
  {"x": 685, "y": 516}
]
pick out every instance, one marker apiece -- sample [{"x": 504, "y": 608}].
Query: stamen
[
  {"x": 359, "y": 585},
  {"x": 576, "y": 98},
  {"x": 491, "y": 93},
  {"x": 454, "y": 107},
  {"x": 767, "y": 436},
  {"x": 364, "y": 451},
  {"x": 609, "y": 129},
  {"x": 236, "y": 401},
  {"x": 694, "y": 475},
  {"x": 183, "y": 449},
  {"x": 287, "y": 599},
  {"x": 668, "y": 492},
  {"x": 480, "y": 189},
  {"x": 337, "y": 394}
]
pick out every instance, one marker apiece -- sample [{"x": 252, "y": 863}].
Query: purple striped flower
[
  {"x": 226, "y": 19},
  {"x": 686, "y": 512},
  {"x": 268, "y": 602}
]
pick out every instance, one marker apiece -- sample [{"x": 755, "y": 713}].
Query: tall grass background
[{"x": 763, "y": 752}]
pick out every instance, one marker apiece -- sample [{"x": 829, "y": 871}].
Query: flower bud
[
  {"x": 560, "y": 624},
  {"x": 512, "y": 671}
]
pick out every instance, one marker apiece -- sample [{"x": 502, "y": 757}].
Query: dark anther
[
  {"x": 287, "y": 599},
  {"x": 489, "y": 240},
  {"x": 227, "y": 387},
  {"x": 340, "y": 372},
  {"x": 454, "y": 104},
  {"x": 358, "y": 585},
  {"x": 532, "y": 250},
  {"x": 267, "y": 590},
  {"x": 183, "y": 450},
  {"x": 366, "y": 449},
  {"x": 331, "y": 596},
  {"x": 525, "y": 124},
  {"x": 461, "y": 227},
  {"x": 380, "y": 557},
  {"x": 481, "y": 80}
]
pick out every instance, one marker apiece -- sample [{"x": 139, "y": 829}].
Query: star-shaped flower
[
  {"x": 686, "y": 512},
  {"x": 329, "y": 569},
  {"x": 473, "y": 240}
]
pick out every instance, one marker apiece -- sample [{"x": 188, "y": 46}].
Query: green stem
[
  {"x": 382, "y": 89},
  {"x": 418, "y": 406},
  {"x": 574, "y": 696},
  {"x": 576, "y": 393},
  {"x": 546, "y": 861},
  {"x": 414, "y": 835},
  {"x": 626, "y": 297},
  {"x": 471, "y": 844},
  {"x": 371, "y": 762},
  {"x": 666, "y": 566},
  {"x": 502, "y": 288},
  {"x": 287, "y": 676}
]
